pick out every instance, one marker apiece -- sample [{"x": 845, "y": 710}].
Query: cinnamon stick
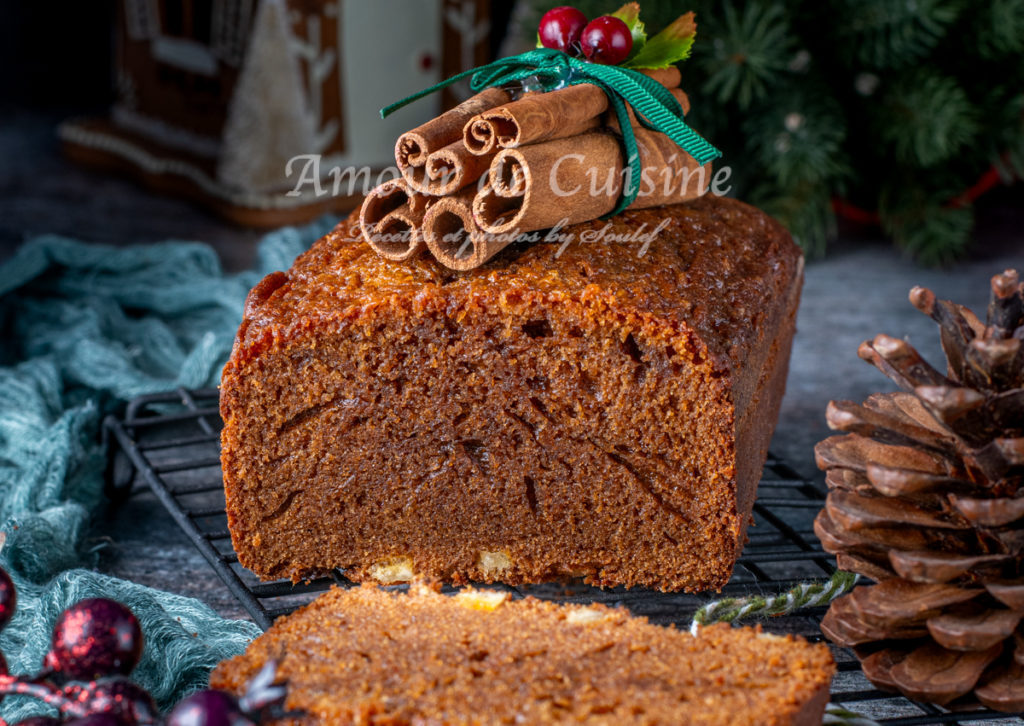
[
  {"x": 573, "y": 180},
  {"x": 680, "y": 95},
  {"x": 391, "y": 218},
  {"x": 453, "y": 236},
  {"x": 537, "y": 117},
  {"x": 447, "y": 170},
  {"x": 668, "y": 77},
  {"x": 414, "y": 148}
]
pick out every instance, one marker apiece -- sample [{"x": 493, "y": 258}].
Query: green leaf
[
  {"x": 671, "y": 45},
  {"x": 539, "y": 44},
  {"x": 630, "y": 15}
]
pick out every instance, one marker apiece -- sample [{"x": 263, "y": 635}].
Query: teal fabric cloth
[{"x": 82, "y": 328}]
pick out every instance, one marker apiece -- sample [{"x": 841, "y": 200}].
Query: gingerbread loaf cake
[
  {"x": 367, "y": 655},
  {"x": 586, "y": 411}
]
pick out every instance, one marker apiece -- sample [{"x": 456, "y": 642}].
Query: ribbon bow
[{"x": 654, "y": 105}]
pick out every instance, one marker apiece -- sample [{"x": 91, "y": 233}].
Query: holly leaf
[
  {"x": 671, "y": 45},
  {"x": 630, "y": 15}
]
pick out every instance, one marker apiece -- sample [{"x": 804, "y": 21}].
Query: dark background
[{"x": 56, "y": 56}]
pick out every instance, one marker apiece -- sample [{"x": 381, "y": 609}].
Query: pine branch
[
  {"x": 891, "y": 34},
  {"x": 798, "y": 136},
  {"x": 998, "y": 28},
  {"x": 1004, "y": 107},
  {"x": 925, "y": 118},
  {"x": 922, "y": 222},
  {"x": 804, "y": 209},
  {"x": 744, "y": 51},
  {"x": 1011, "y": 136}
]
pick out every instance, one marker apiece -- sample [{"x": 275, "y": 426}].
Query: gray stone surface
[{"x": 142, "y": 544}]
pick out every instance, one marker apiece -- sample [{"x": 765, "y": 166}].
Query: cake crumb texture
[
  {"x": 590, "y": 413},
  {"x": 371, "y": 656}
]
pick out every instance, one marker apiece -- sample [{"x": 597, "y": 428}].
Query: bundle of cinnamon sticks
[{"x": 496, "y": 167}]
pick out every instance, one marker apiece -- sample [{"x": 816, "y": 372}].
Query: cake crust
[
  {"x": 588, "y": 412},
  {"x": 370, "y": 656}
]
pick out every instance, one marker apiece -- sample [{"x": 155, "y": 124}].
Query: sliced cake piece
[
  {"x": 367, "y": 655},
  {"x": 602, "y": 411}
]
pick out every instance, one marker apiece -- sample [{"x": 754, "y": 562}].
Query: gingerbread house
[{"x": 235, "y": 103}]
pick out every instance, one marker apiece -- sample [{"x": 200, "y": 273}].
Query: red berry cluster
[
  {"x": 605, "y": 40},
  {"x": 95, "y": 645}
]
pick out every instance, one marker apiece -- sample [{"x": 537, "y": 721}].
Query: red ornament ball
[
  {"x": 95, "y": 638},
  {"x": 121, "y": 699},
  {"x": 606, "y": 40},
  {"x": 208, "y": 708},
  {"x": 8, "y": 598},
  {"x": 561, "y": 27}
]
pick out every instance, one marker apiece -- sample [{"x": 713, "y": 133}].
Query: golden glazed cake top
[{"x": 708, "y": 269}]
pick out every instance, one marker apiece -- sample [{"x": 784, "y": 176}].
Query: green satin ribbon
[{"x": 656, "y": 108}]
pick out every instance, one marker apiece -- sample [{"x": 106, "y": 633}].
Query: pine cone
[{"x": 926, "y": 498}]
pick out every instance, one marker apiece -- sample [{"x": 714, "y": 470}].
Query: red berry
[
  {"x": 560, "y": 28},
  {"x": 606, "y": 40},
  {"x": 94, "y": 638}
]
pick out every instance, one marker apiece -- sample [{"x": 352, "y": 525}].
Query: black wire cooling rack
[{"x": 170, "y": 442}]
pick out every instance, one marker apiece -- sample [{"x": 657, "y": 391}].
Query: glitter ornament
[
  {"x": 95, "y": 645},
  {"x": 208, "y": 708},
  {"x": 95, "y": 638},
  {"x": 117, "y": 697}
]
